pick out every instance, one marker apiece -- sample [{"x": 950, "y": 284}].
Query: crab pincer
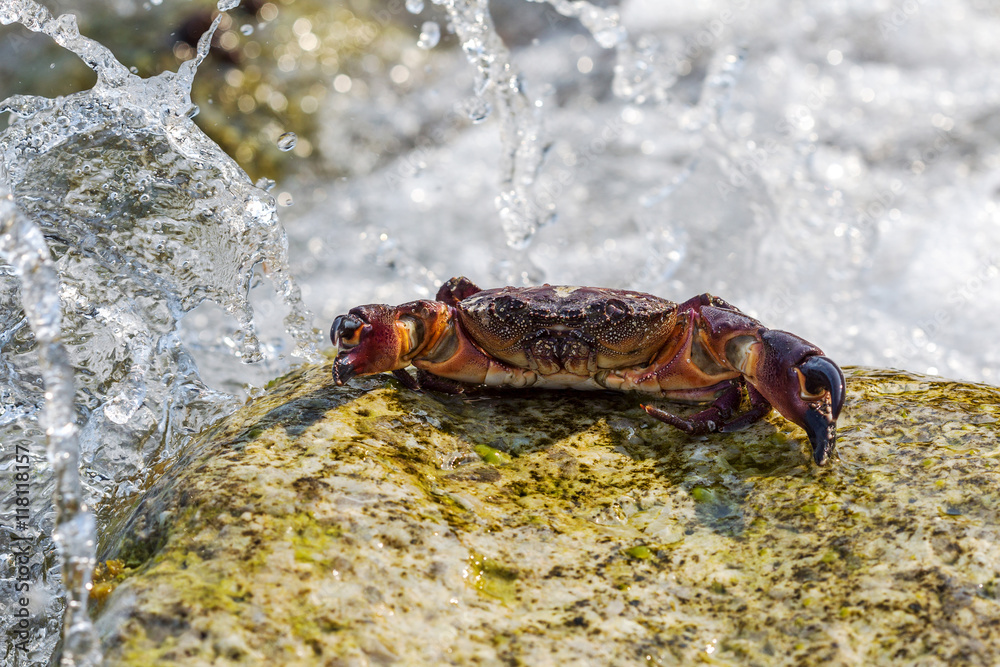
[
  {"x": 701, "y": 351},
  {"x": 784, "y": 372}
]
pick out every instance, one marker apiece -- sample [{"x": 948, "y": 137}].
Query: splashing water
[
  {"x": 603, "y": 23},
  {"x": 523, "y": 140},
  {"x": 74, "y": 531},
  {"x": 145, "y": 218},
  {"x": 430, "y": 35},
  {"x": 499, "y": 86},
  {"x": 287, "y": 141}
]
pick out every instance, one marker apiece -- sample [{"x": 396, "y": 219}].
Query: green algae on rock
[{"x": 371, "y": 524}]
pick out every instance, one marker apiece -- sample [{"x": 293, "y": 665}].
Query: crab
[{"x": 701, "y": 351}]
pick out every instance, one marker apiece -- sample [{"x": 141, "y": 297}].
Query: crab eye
[{"x": 346, "y": 331}]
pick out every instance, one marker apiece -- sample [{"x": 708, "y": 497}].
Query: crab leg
[
  {"x": 759, "y": 407},
  {"x": 716, "y": 342},
  {"x": 718, "y": 417},
  {"x": 431, "y": 382},
  {"x": 706, "y": 421}
]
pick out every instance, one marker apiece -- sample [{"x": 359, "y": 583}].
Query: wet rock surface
[{"x": 374, "y": 525}]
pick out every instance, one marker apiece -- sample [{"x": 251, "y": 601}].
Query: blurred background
[{"x": 828, "y": 167}]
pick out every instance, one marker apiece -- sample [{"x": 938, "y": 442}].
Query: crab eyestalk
[
  {"x": 377, "y": 338},
  {"x": 805, "y": 386}
]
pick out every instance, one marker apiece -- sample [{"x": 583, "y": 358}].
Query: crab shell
[
  {"x": 703, "y": 350},
  {"x": 567, "y": 331}
]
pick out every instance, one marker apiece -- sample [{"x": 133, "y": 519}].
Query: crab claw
[
  {"x": 368, "y": 341},
  {"x": 805, "y": 386},
  {"x": 345, "y": 334},
  {"x": 820, "y": 419}
]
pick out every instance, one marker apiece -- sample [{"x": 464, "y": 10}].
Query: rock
[{"x": 374, "y": 525}]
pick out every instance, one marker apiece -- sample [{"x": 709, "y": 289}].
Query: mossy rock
[{"x": 371, "y": 525}]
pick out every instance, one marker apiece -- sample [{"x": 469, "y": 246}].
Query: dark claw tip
[
  {"x": 342, "y": 372},
  {"x": 822, "y": 433},
  {"x": 822, "y": 374}
]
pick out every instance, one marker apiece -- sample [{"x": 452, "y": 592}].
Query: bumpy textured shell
[{"x": 553, "y": 329}]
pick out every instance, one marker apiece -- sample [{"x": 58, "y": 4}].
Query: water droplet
[
  {"x": 285, "y": 199},
  {"x": 414, "y": 6},
  {"x": 477, "y": 109},
  {"x": 610, "y": 37},
  {"x": 246, "y": 29},
  {"x": 287, "y": 141},
  {"x": 430, "y": 35}
]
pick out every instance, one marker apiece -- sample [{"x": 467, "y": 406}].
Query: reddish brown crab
[{"x": 594, "y": 338}]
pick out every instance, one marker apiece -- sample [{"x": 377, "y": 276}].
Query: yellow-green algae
[{"x": 325, "y": 525}]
